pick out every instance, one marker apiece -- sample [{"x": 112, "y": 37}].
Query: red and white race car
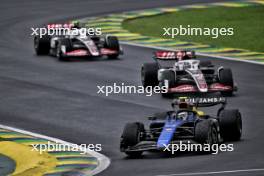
[
  {"x": 66, "y": 45},
  {"x": 180, "y": 72}
]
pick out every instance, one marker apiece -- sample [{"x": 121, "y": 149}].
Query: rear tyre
[
  {"x": 226, "y": 78},
  {"x": 206, "y": 133},
  {"x": 42, "y": 45},
  {"x": 133, "y": 133},
  {"x": 230, "y": 122},
  {"x": 112, "y": 43},
  {"x": 149, "y": 74}
]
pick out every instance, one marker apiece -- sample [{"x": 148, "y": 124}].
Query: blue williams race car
[{"x": 185, "y": 124}]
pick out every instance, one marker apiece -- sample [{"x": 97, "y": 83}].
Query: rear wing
[
  {"x": 202, "y": 101},
  {"x": 206, "y": 102},
  {"x": 174, "y": 55},
  {"x": 59, "y": 25}
]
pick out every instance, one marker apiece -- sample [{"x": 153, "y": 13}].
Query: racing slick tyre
[
  {"x": 169, "y": 76},
  {"x": 230, "y": 123},
  {"x": 133, "y": 133},
  {"x": 42, "y": 45},
  {"x": 206, "y": 133},
  {"x": 226, "y": 78},
  {"x": 149, "y": 74},
  {"x": 112, "y": 43},
  {"x": 63, "y": 42}
]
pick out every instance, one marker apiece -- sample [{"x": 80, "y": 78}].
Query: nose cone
[
  {"x": 168, "y": 132},
  {"x": 203, "y": 88}
]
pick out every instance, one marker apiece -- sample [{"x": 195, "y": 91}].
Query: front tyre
[
  {"x": 149, "y": 74},
  {"x": 41, "y": 45},
  {"x": 133, "y": 133},
  {"x": 206, "y": 133}
]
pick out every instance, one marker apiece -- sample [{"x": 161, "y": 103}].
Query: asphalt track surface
[{"x": 59, "y": 99}]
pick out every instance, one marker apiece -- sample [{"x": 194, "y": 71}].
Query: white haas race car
[
  {"x": 180, "y": 73},
  {"x": 68, "y": 46}
]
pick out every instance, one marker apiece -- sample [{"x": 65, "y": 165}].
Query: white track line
[
  {"x": 216, "y": 172},
  {"x": 200, "y": 54},
  {"x": 104, "y": 161}
]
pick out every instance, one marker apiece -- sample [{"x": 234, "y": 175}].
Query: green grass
[{"x": 248, "y": 24}]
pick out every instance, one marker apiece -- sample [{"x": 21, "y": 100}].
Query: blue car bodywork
[{"x": 171, "y": 125}]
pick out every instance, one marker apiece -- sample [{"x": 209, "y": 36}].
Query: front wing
[
  {"x": 188, "y": 88},
  {"x": 86, "y": 53},
  {"x": 152, "y": 145}
]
